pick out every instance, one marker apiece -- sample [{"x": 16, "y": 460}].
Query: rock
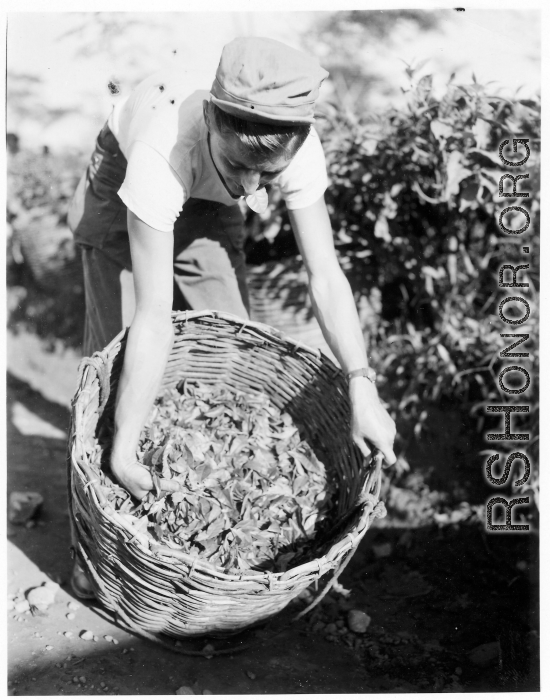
[
  {"x": 70, "y": 616},
  {"x": 87, "y": 636},
  {"x": 331, "y": 628},
  {"x": 23, "y": 506},
  {"x": 107, "y": 638},
  {"x": 185, "y": 690},
  {"x": 49, "y": 647},
  {"x": 338, "y": 588},
  {"x": 251, "y": 675},
  {"x": 358, "y": 621},
  {"x": 22, "y": 606},
  {"x": 41, "y": 597},
  {"x": 207, "y": 692},
  {"x": 208, "y": 651},
  {"x": 68, "y": 634},
  {"x": 306, "y": 596},
  {"x": 484, "y": 654},
  {"x": 73, "y": 606}
]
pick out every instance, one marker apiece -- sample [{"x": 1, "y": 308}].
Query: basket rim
[{"x": 183, "y": 316}]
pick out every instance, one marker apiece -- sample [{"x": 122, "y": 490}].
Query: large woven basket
[{"x": 165, "y": 594}]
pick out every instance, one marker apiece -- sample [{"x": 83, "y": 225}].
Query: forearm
[
  {"x": 147, "y": 349},
  {"x": 335, "y": 309},
  {"x": 336, "y": 312}
]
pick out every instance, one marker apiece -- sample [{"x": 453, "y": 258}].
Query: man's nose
[{"x": 250, "y": 181}]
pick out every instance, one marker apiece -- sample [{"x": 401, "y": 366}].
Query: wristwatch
[{"x": 367, "y": 372}]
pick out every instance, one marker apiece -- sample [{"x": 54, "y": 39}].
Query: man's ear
[{"x": 206, "y": 113}]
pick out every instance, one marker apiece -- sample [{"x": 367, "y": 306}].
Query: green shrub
[{"x": 414, "y": 205}]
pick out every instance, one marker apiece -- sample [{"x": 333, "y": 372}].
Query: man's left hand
[{"x": 371, "y": 424}]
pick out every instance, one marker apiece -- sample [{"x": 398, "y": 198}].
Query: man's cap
[{"x": 263, "y": 80}]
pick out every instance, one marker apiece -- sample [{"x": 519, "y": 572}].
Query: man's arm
[
  {"x": 147, "y": 349},
  {"x": 335, "y": 310}
]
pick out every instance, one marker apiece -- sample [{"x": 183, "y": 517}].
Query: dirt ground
[{"x": 436, "y": 588}]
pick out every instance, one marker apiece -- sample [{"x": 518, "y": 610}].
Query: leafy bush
[
  {"x": 45, "y": 293},
  {"x": 414, "y": 203}
]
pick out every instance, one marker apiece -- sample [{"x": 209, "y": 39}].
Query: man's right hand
[{"x": 136, "y": 479}]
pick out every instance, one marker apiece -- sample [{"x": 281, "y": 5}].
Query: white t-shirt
[{"x": 162, "y": 133}]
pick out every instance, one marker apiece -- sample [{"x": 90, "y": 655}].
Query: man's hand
[
  {"x": 372, "y": 426},
  {"x": 137, "y": 479}
]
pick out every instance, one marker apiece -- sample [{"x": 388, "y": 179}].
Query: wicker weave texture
[
  {"x": 279, "y": 298},
  {"x": 162, "y": 591}
]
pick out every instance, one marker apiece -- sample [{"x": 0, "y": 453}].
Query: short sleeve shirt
[{"x": 162, "y": 133}]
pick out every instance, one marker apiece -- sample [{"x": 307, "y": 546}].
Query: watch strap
[{"x": 367, "y": 372}]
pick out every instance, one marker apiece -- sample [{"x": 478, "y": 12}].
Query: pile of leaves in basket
[{"x": 253, "y": 494}]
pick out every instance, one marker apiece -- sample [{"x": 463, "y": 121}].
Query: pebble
[
  {"x": 185, "y": 690},
  {"x": 207, "y": 650},
  {"x": 484, "y": 654},
  {"x": 358, "y": 621},
  {"x": 70, "y": 616},
  {"x": 41, "y": 596},
  {"x": 87, "y": 636}
]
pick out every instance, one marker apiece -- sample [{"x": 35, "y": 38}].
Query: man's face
[{"x": 243, "y": 174}]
